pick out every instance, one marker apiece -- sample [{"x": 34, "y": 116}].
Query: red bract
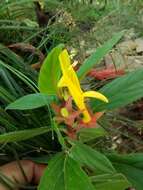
[
  {"x": 92, "y": 123},
  {"x": 70, "y": 120},
  {"x": 106, "y": 73},
  {"x": 73, "y": 120}
]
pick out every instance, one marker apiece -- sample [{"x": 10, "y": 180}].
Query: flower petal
[
  {"x": 68, "y": 70},
  {"x": 73, "y": 77},
  {"x": 94, "y": 94},
  {"x": 64, "y": 61}
]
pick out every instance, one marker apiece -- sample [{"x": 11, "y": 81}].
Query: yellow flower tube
[{"x": 70, "y": 80}]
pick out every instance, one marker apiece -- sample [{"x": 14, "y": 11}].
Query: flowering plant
[{"x": 72, "y": 116}]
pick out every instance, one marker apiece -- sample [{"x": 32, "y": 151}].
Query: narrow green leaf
[
  {"x": 50, "y": 72},
  {"x": 121, "y": 91},
  {"x": 75, "y": 177},
  {"x": 111, "y": 182},
  {"x": 22, "y": 135},
  {"x": 91, "y": 158},
  {"x": 96, "y": 57},
  {"x": 31, "y": 101},
  {"x": 21, "y": 76}
]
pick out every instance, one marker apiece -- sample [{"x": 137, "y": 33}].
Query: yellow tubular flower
[{"x": 70, "y": 80}]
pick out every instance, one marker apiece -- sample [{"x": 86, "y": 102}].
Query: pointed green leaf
[
  {"x": 53, "y": 177},
  {"x": 22, "y": 134},
  {"x": 91, "y": 158},
  {"x": 31, "y": 101},
  {"x": 50, "y": 72},
  {"x": 75, "y": 177},
  {"x": 96, "y": 57},
  {"x": 63, "y": 173}
]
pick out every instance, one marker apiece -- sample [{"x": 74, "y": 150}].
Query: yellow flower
[{"x": 70, "y": 80}]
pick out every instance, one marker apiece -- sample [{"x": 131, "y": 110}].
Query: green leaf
[
  {"x": 31, "y": 101},
  {"x": 53, "y": 177},
  {"x": 96, "y": 57},
  {"x": 50, "y": 72},
  {"x": 130, "y": 168},
  {"x": 87, "y": 134},
  {"x": 63, "y": 173},
  {"x": 121, "y": 91},
  {"x": 91, "y": 158},
  {"x": 110, "y": 182},
  {"x": 134, "y": 175},
  {"x": 22, "y": 135},
  {"x": 75, "y": 177}
]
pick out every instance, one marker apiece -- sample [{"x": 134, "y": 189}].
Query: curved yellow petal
[
  {"x": 94, "y": 94},
  {"x": 64, "y": 61},
  {"x": 68, "y": 70},
  {"x": 74, "y": 78},
  {"x": 77, "y": 95}
]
